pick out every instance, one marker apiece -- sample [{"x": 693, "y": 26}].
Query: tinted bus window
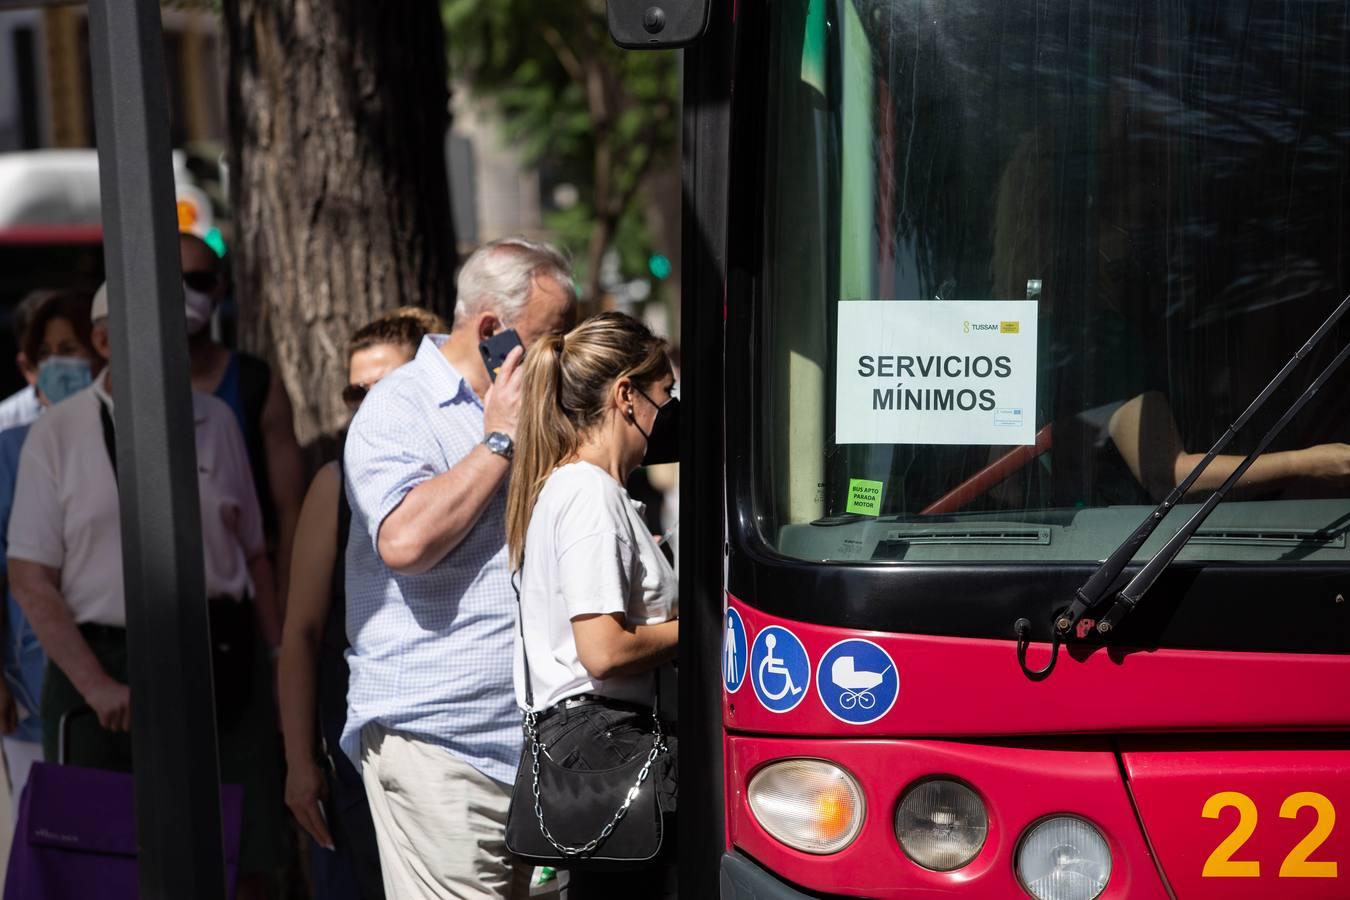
[{"x": 1167, "y": 182}]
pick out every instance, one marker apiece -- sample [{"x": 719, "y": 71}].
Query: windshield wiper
[
  {"x": 1092, "y": 592},
  {"x": 1134, "y": 592}
]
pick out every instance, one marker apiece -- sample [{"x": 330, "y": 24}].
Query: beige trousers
[{"x": 439, "y": 822}]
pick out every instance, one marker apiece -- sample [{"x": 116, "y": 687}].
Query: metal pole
[
  {"x": 706, "y": 148},
  {"x": 173, "y": 720}
]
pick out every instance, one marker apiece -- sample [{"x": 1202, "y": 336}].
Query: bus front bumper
[{"x": 741, "y": 879}]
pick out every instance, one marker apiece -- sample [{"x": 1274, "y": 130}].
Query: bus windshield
[{"x": 1021, "y": 265}]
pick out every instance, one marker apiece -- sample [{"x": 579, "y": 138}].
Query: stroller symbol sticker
[
  {"x": 780, "y": 669},
  {"x": 734, "y": 652},
  {"x": 857, "y": 681}
]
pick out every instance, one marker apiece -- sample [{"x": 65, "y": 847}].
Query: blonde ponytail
[
  {"x": 544, "y": 437},
  {"x": 567, "y": 379}
]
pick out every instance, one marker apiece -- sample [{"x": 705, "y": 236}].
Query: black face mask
[{"x": 663, "y": 442}]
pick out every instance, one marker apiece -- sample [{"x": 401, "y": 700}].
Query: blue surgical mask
[{"x": 61, "y": 376}]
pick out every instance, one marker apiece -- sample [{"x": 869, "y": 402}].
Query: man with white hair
[{"x": 431, "y": 715}]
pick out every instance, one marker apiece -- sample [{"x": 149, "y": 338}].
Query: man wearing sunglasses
[{"x": 258, "y": 399}]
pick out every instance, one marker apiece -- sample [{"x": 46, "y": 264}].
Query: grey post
[{"x": 173, "y": 721}]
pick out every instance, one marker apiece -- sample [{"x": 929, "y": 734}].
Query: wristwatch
[{"x": 500, "y": 444}]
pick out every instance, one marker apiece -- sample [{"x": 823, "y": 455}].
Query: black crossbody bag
[{"x": 596, "y": 819}]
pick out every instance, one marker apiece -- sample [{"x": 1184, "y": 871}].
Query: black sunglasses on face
[
  {"x": 353, "y": 394},
  {"x": 204, "y": 281}
]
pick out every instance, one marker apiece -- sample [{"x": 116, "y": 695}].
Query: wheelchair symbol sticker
[
  {"x": 735, "y": 652},
  {"x": 779, "y": 669},
  {"x": 857, "y": 681}
]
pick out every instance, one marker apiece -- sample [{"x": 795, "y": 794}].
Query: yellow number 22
[{"x": 1296, "y": 865}]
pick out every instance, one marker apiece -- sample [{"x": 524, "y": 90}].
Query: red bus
[{"x": 970, "y": 289}]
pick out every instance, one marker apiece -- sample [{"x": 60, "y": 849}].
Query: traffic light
[{"x": 659, "y": 265}]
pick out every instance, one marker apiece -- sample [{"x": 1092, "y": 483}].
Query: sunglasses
[
  {"x": 204, "y": 281},
  {"x": 353, "y": 394}
]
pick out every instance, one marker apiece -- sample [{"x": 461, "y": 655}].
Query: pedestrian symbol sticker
[
  {"x": 779, "y": 669},
  {"x": 735, "y": 652},
  {"x": 857, "y": 681}
]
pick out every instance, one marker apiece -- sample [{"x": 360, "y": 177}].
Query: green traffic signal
[{"x": 659, "y": 265}]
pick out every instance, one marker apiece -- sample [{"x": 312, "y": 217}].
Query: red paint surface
[
  {"x": 1171, "y": 783},
  {"x": 957, "y": 687},
  {"x": 1017, "y": 784}
]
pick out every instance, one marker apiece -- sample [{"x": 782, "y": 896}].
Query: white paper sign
[{"x": 936, "y": 372}]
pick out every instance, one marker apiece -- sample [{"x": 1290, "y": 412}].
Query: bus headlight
[
  {"x": 809, "y": 804},
  {"x": 1063, "y": 858},
  {"x": 941, "y": 825}
]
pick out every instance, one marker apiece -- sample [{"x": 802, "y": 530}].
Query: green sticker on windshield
[{"x": 864, "y": 497}]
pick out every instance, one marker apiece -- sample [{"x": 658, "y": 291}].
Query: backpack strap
[
  {"x": 524, "y": 654},
  {"x": 109, "y": 436},
  {"x": 255, "y": 381},
  {"x": 255, "y": 378}
]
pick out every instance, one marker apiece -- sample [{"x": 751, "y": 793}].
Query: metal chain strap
[{"x": 658, "y": 747}]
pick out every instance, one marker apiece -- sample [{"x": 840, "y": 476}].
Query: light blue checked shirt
[{"x": 431, "y": 653}]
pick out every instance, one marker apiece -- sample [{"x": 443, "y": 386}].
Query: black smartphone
[{"x": 496, "y": 348}]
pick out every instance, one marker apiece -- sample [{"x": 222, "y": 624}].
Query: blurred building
[
  {"x": 45, "y": 94},
  {"x": 494, "y": 193}
]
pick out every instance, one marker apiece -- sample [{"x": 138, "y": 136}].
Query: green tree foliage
[{"x": 578, "y": 106}]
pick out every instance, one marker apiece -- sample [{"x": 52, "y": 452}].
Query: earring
[{"x": 630, "y": 411}]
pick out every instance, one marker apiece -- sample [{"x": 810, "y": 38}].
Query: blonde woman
[{"x": 599, "y": 601}]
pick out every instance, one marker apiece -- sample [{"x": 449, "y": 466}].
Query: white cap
[{"x": 99, "y": 308}]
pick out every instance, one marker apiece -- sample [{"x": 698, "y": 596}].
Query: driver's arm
[{"x": 1145, "y": 432}]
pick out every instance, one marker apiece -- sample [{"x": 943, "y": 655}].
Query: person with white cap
[
  {"x": 257, "y": 397},
  {"x": 65, "y": 568}
]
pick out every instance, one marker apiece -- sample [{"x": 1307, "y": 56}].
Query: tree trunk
[
  {"x": 338, "y": 114},
  {"x": 599, "y": 103}
]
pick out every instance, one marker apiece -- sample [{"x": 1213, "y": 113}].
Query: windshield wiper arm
[
  {"x": 1091, "y": 593},
  {"x": 1138, "y": 587}
]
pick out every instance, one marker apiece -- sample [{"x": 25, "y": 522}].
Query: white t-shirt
[
  {"x": 587, "y": 551},
  {"x": 65, "y": 512}
]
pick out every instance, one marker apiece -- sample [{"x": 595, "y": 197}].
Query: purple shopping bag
[{"x": 76, "y": 835}]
